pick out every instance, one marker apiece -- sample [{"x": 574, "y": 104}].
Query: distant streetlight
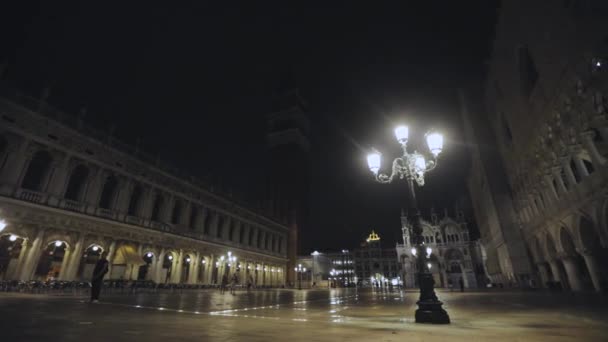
[
  {"x": 300, "y": 270},
  {"x": 412, "y": 167}
]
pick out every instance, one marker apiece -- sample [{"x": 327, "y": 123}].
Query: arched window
[
  {"x": 76, "y": 184},
  {"x": 231, "y": 231},
  {"x": 134, "y": 200},
  {"x": 220, "y": 226},
  {"x": 207, "y": 223},
  {"x": 280, "y": 244},
  {"x": 158, "y": 206},
  {"x": 37, "y": 171},
  {"x": 251, "y": 230},
  {"x": 108, "y": 193},
  {"x": 242, "y": 234},
  {"x": 193, "y": 217},
  {"x": 177, "y": 211},
  {"x": 259, "y": 242}
]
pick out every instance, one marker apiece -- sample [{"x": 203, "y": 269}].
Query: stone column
[
  {"x": 594, "y": 270},
  {"x": 561, "y": 187},
  {"x": 159, "y": 267},
  {"x": 125, "y": 189},
  {"x": 176, "y": 275},
  {"x": 168, "y": 209},
  {"x": 557, "y": 276},
  {"x": 14, "y": 167},
  {"x": 184, "y": 218},
  {"x": 58, "y": 181},
  {"x": 63, "y": 272},
  {"x": 544, "y": 275},
  {"x": 94, "y": 190},
  {"x": 32, "y": 257},
  {"x": 194, "y": 268},
  {"x": 551, "y": 191},
  {"x": 74, "y": 263},
  {"x": 145, "y": 206},
  {"x": 568, "y": 171},
  {"x": 20, "y": 261},
  {"x": 573, "y": 273},
  {"x": 213, "y": 224},
  {"x": 110, "y": 257},
  {"x": 596, "y": 157}
]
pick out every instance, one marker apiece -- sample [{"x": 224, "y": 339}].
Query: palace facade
[
  {"x": 539, "y": 176},
  {"x": 69, "y": 193}
]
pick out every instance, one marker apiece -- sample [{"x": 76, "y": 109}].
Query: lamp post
[
  {"x": 314, "y": 260},
  {"x": 412, "y": 167},
  {"x": 300, "y": 270}
]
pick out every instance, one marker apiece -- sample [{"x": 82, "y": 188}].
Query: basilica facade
[
  {"x": 539, "y": 178},
  {"x": 69, "y": 193},
  {"x": 453, "y": 257}
]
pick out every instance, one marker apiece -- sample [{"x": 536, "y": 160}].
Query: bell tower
[{"x": 287, "y": 140}]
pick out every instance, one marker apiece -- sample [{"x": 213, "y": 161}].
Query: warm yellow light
[
  {"x": 435, "y": 142},
  {"x": 402, "y": 133},
  {"x": 372, "y": 237},
  {"x": 373, "y": 162}
]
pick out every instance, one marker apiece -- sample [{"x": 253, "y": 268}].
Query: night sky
[{"x": 195, "y": 81}]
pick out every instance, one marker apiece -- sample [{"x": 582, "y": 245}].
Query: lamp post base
[{"x": 431, "y": 312}]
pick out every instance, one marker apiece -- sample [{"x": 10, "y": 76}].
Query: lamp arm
[{"x": 396, "y": 170}]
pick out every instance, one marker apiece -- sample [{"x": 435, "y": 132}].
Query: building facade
[
  {"x": 375, "y": 265},
  {"x": 453, "y": 255},
  {"x": 546, "y": 105},
  {"x": 68, "y": 193}
]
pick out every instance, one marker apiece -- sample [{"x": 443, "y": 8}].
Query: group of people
[{"x": 233, "y": 282}]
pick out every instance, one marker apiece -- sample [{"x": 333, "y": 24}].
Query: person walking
[
  {"x": 461, "y": 283},
  {"x": 101, "y": 268},
  {"x": 233, "y": 283},
  {"x": 224, "y": 283},
  {"x": 249, "y": 283}
]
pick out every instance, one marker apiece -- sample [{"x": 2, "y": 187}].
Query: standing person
[
  {"x": 224, "y": 283},
  {"x": 461, "y": 283},
  {"x": 233, "y": 283},
  {"x": 250, "y": 282},
  {"x": 101, "y": 268}
]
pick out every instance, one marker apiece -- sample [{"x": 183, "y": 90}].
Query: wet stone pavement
[{"x": 306, "y": 315}]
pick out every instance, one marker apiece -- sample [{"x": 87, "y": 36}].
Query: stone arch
[
  {"x": 187, "y": 261},
  {"x": 77, "y": 183},
  {"x": 10, "y": 250},
  {"x": 109, "y": 192},
  {"x": 91, "y": 254},
  {"x": 126, "y": 261},
  {"x": 38, "y": 171},
  {"x": 52, "y": 263}
]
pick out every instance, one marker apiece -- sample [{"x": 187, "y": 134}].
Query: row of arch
[
  {"x": 82, "y": 185},
  {"x": 58, "y": 257},
  {"x": 572, "y": 254}
]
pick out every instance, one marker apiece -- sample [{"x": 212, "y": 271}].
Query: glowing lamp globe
[
  {"x": 149, "y": 255},
  {"x": 402, "y": 133},
  {"x": 13, "y": 237},
  {"x": 2, "y": 225},
  {"x": 95, "y": 248},
  {"x": 373, "y": 162},
  {"x": 435, "y": 142},
  {"x": 429, "y": 265},
  {"x": 187, "y": 259},
  {"x": 170, "y": 257},
  {"x": 420, "y": 163},
  {"x": 429, "y": 250},
  {"x": 58, "y": 243},
  {"x": 414, "y": 251}
]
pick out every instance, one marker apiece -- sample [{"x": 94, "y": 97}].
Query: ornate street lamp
[{"x": 412, "y": 167}]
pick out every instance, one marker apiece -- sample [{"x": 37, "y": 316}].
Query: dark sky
[{"x": 194, "y": 80}]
